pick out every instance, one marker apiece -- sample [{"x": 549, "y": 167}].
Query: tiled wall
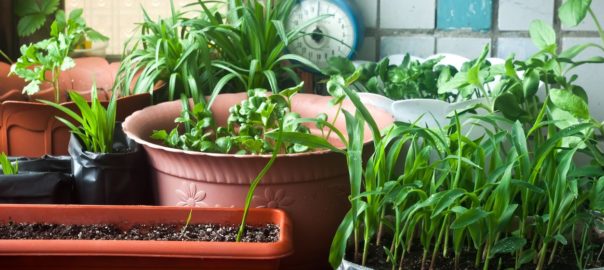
[{"x": 425, "y": 27}]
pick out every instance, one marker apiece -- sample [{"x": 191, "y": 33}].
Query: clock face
[{"x": 332, "y": 36}]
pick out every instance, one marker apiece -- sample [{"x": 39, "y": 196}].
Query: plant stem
[
  {"x": 553, "y": 253},
  {"x": 487, "y": 257},
  {"x": 380, "y": 228},
  {"x": 256, "y": 182},
  {"x": 478, "y": 257},
  {"x": 542, "y": 254},
  {"x": 424, "y": 259},
  {"x": 365, "y": 250},
  {"x": 597, "y": 22},
  {"x": 55, "y": 82},
  {"x": 437, "y": 244},
  {"x": 356, "y": 245},
  {"x": 334, "y": 119},
  {"x": 6, "y": 57}
]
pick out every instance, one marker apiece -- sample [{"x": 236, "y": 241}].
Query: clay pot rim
[{"x": 150, "y": 144}]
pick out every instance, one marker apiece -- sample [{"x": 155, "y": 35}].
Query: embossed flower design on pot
[
  {"x": 191, "y": 196},
  {"x": 277, "y": 199}
]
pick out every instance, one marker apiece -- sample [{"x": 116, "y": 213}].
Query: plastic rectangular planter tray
[{"x": 133, "y": 254}]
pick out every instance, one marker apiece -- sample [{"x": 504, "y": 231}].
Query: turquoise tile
[{"x": 464, "y": 14}]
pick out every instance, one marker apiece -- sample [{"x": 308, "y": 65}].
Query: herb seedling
[
  {"x": 184, "y": 228},
  {"x": 247, "y": 127},
  {"x": 52, "y": 54}
]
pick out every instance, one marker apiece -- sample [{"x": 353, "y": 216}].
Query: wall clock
[{"x": 337, "y": 35}]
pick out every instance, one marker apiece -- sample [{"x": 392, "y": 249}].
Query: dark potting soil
[
  {"x": 164, "y": 232},
  {"x": 565, "y": 260}
]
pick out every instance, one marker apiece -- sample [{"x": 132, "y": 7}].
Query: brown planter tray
[{"x": 135, "y": 254}]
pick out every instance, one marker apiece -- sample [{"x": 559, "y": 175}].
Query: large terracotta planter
[
  {"x": 125, "y": 254},
  {"x": 29, "y": 128},
  {"x": 311, "y": 187}
]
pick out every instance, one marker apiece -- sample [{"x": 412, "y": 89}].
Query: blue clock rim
[{"x": 351, "y": 11}]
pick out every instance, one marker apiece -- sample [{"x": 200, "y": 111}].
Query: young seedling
[
  {"x": 184, "y": 228},
  {"x": 96, "y": 124}
]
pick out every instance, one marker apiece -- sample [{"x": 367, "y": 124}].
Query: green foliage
[
  {"x": 33, "y": 14},
  {"x": 248, "y": 126},
  {"x": 96, "y": 123},
  {"x": 52, "y": 54},
  {"x": 7, "y": 167},
  {"x": 413, "y": 79},
  {"x": 510, "y": 192},
  {"x": 244, "y": 50},
  {"x": 410, "y": 79}
]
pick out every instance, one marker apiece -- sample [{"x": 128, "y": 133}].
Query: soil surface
[
  {"x": 164, "y": 232},
  {"x": 565, "y": 260}
]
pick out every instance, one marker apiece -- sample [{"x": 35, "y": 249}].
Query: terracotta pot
[
  {"x": 10, "y": 87},
  {"x": 311, "y": 187},
  {"x": 124, "y": 254},
  {"x": 30, "y": 129}
]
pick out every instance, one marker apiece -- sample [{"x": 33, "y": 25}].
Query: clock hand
[{"x": 318, "y": 7}]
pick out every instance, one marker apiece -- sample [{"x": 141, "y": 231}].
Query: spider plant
[
  {"x": 96, "y": 123},
  {"x": 164, "y": 51},
  {"x": 251, "y": 43},
  {"x": 246, "y": 49}
]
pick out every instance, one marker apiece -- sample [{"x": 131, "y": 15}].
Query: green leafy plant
[
  {"x": 244, "y": 49},
  {"x": 33, "y": 14},
  {"x": 96, "y": 123},
  {"x": 52, "y": 54},
  {"x": 7, "y": 167},
  {"x": 459, "y": 196},
  {"x": 247, "y": 126},
  {"x": 414, "y": 79},
  {"x": 410, "y": 79}
]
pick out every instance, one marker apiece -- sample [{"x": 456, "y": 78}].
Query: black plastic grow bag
[
  {"x": 45, "y": 180},
  {"x": 120, "y": 178}
]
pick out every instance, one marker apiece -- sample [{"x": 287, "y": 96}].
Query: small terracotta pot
[
  {"x": 311, "y": 187},
  {"x": 10, "y": 87},
  {"x": 30, "y": 129},
  {"x": 126, "y": 254}
]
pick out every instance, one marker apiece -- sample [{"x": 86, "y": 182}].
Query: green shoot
[{"x": 7, "y": 167}]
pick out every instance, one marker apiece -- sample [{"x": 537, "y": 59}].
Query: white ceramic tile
[
  {"x": 468, "y": 47},
  {"x": 518, "y": 14},
  {"x": 521, "y": 47},
  {"x": 421, "y": 46},
  {"x": 407, "y": 14}
]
